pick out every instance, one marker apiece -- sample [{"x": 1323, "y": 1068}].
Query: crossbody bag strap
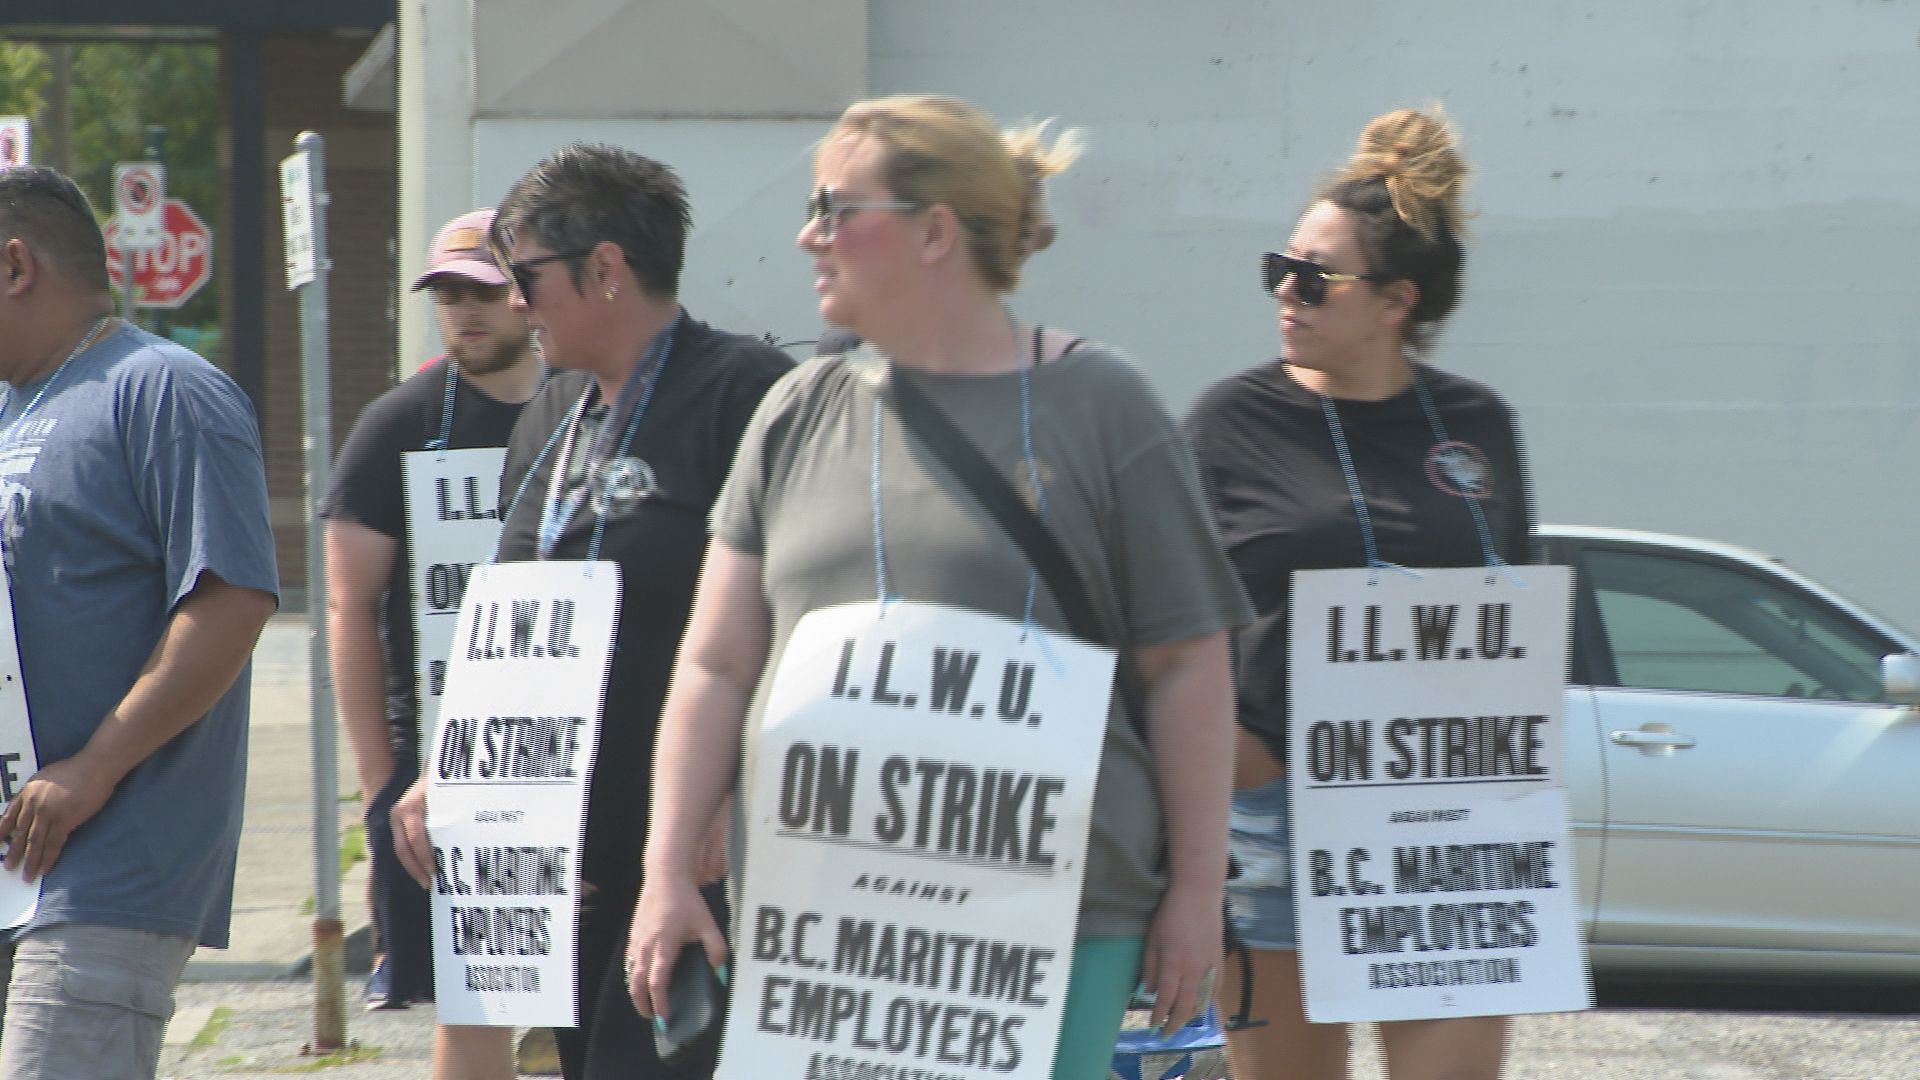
[
  {"x": 997, "y": 496},
  {"x": 938, "y": 433}
]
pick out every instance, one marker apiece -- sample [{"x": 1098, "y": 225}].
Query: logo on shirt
[
  {"x": 1023, "y": 481},
  {"x": 1460, "y": 469},
  {"x": 620, "y": 484},
  {"x": 18, "y": 453}
]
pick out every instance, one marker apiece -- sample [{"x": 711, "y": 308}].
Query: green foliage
[
  {"x": 353, "y": 846},
  {"x": 115, "y": 92},
  {"x": 217, "y": 1025},
  {"x": 23, "y": 74}
]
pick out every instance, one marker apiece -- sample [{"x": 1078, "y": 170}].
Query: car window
[{"x": 1683, "y": 624}]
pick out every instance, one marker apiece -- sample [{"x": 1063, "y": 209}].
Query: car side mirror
[{"x": 1900, "y": 678}]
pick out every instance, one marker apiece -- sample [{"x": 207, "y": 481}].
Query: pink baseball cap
[{"x": 461, "y": 248}]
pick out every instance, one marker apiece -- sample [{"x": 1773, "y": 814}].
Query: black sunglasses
[
  {"x": 1310, "y": 279},
  {"x": 523, "y": 281}
]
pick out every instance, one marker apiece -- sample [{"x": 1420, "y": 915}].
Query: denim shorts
[{"x": 1260, "y": 899}]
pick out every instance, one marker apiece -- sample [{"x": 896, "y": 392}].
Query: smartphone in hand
[{"x": 696, "y": 1000}]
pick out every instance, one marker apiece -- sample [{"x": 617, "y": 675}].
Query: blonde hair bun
[
  {"x": 1037, "y": 161},
  {"x": 1413, "y": 151}
]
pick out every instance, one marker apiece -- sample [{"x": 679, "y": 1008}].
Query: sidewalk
[
  {"x": 274, "y": 892},
  {"x": 247, "y": 1011}
]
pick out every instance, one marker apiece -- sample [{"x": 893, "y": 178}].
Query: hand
[
  {"x": 410, "y": 842},
  {"x": 1181, "y": 964},
  {"x": 669, "y": 914},
  {"x": 53, "y": 802}
]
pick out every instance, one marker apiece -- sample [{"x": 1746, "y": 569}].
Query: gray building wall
[{"x": 1693, "y": 267}]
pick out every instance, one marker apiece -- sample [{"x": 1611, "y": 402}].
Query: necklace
[{"x": 6, "y": 397}]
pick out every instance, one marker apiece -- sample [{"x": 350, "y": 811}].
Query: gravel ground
[{"x": 258, "y": 1031}]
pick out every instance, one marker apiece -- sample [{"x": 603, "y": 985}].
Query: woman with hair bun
[
  {"x": 1348, "y": 451},
  {"x": 922, "y": 217}
]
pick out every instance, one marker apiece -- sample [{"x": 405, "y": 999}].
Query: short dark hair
[
  {"x": 51, "y": 214},
  {"x": 584, "y": 193}
]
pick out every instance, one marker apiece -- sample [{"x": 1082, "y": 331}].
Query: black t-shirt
[
  {"x": 1268, "y": 462},
  {"x": 708, "y": 389},
  {"x": 368, "y": 488}
]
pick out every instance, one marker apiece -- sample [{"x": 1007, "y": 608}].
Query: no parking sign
[
  {"x": 15, "y": 149},
  {"x": 139, "y": 201}
]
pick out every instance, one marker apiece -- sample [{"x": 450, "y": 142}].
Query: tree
[{"x": 117, "y": 90}]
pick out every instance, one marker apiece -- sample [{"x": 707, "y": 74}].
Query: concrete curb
[{"x": 207, "y": 966}]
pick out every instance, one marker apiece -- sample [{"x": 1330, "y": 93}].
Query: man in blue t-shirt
[{"x": 133, "y": 524}]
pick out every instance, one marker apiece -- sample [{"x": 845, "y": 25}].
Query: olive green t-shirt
[{"x": 1120, "y": 494}]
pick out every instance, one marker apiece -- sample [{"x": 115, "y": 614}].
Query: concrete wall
[
  {"x": 731, "y": 92},
  {"x": 1693, "y": 269}
]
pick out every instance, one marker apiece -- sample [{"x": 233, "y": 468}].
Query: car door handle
[{"x": 1653, "y": 740}]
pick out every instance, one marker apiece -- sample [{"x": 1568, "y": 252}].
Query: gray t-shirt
[
  {"x": 1120, "y": 494},
  {"x": 139, "y": 468}
]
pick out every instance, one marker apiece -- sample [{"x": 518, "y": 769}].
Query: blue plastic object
[{"x": 1145, "y": 1054}]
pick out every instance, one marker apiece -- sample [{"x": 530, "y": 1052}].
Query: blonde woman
[
  {"x": 921, "y": 219},
  {"x": 1348, "y": 451}
]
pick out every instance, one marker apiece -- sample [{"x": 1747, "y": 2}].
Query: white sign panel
[
  {"x": 918, "y": 805},
  {"x": 1426, "y": 750},
  {"x": 453, "y": 525},
  {"x": 139, "y": 203},
  {"x": 16, "y": 145},
  {"x": 296, "y": 211},
  {"x": 19, "y": 898},
  {"x": 507, "y": 789}
]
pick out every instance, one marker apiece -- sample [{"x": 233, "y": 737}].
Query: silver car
[{"x": 1744, "y": 764}]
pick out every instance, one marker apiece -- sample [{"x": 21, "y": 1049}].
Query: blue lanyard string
[
  {"x": 1440, "y": 437},
  {"x": 882, "y": 590},
  {"x": 446, "y": 409},
  {"x": 634, "y": 398},
  {"x": 527, "y": 477},
  {"x": 1354, "y": 492}
]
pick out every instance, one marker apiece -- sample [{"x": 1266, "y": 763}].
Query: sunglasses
[
  {"x": 523, "y": 281},
  {"x": 826, "y": 208},
  {"x": 1310, "y": 279}
]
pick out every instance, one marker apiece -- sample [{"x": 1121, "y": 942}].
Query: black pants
[
  {"x": 402, "y": 912},
  {"x": 613, "y": 1041}
]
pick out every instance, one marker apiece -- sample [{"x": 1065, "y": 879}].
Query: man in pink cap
[{"x": 413, "y": 503}]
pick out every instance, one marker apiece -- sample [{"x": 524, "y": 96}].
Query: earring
[{"x": 610, "y": 291}]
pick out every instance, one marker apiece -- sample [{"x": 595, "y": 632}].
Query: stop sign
[{"x": 168, "y": 275}]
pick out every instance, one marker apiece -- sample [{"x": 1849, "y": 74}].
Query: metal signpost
[{"x": 304, "y": 199}]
